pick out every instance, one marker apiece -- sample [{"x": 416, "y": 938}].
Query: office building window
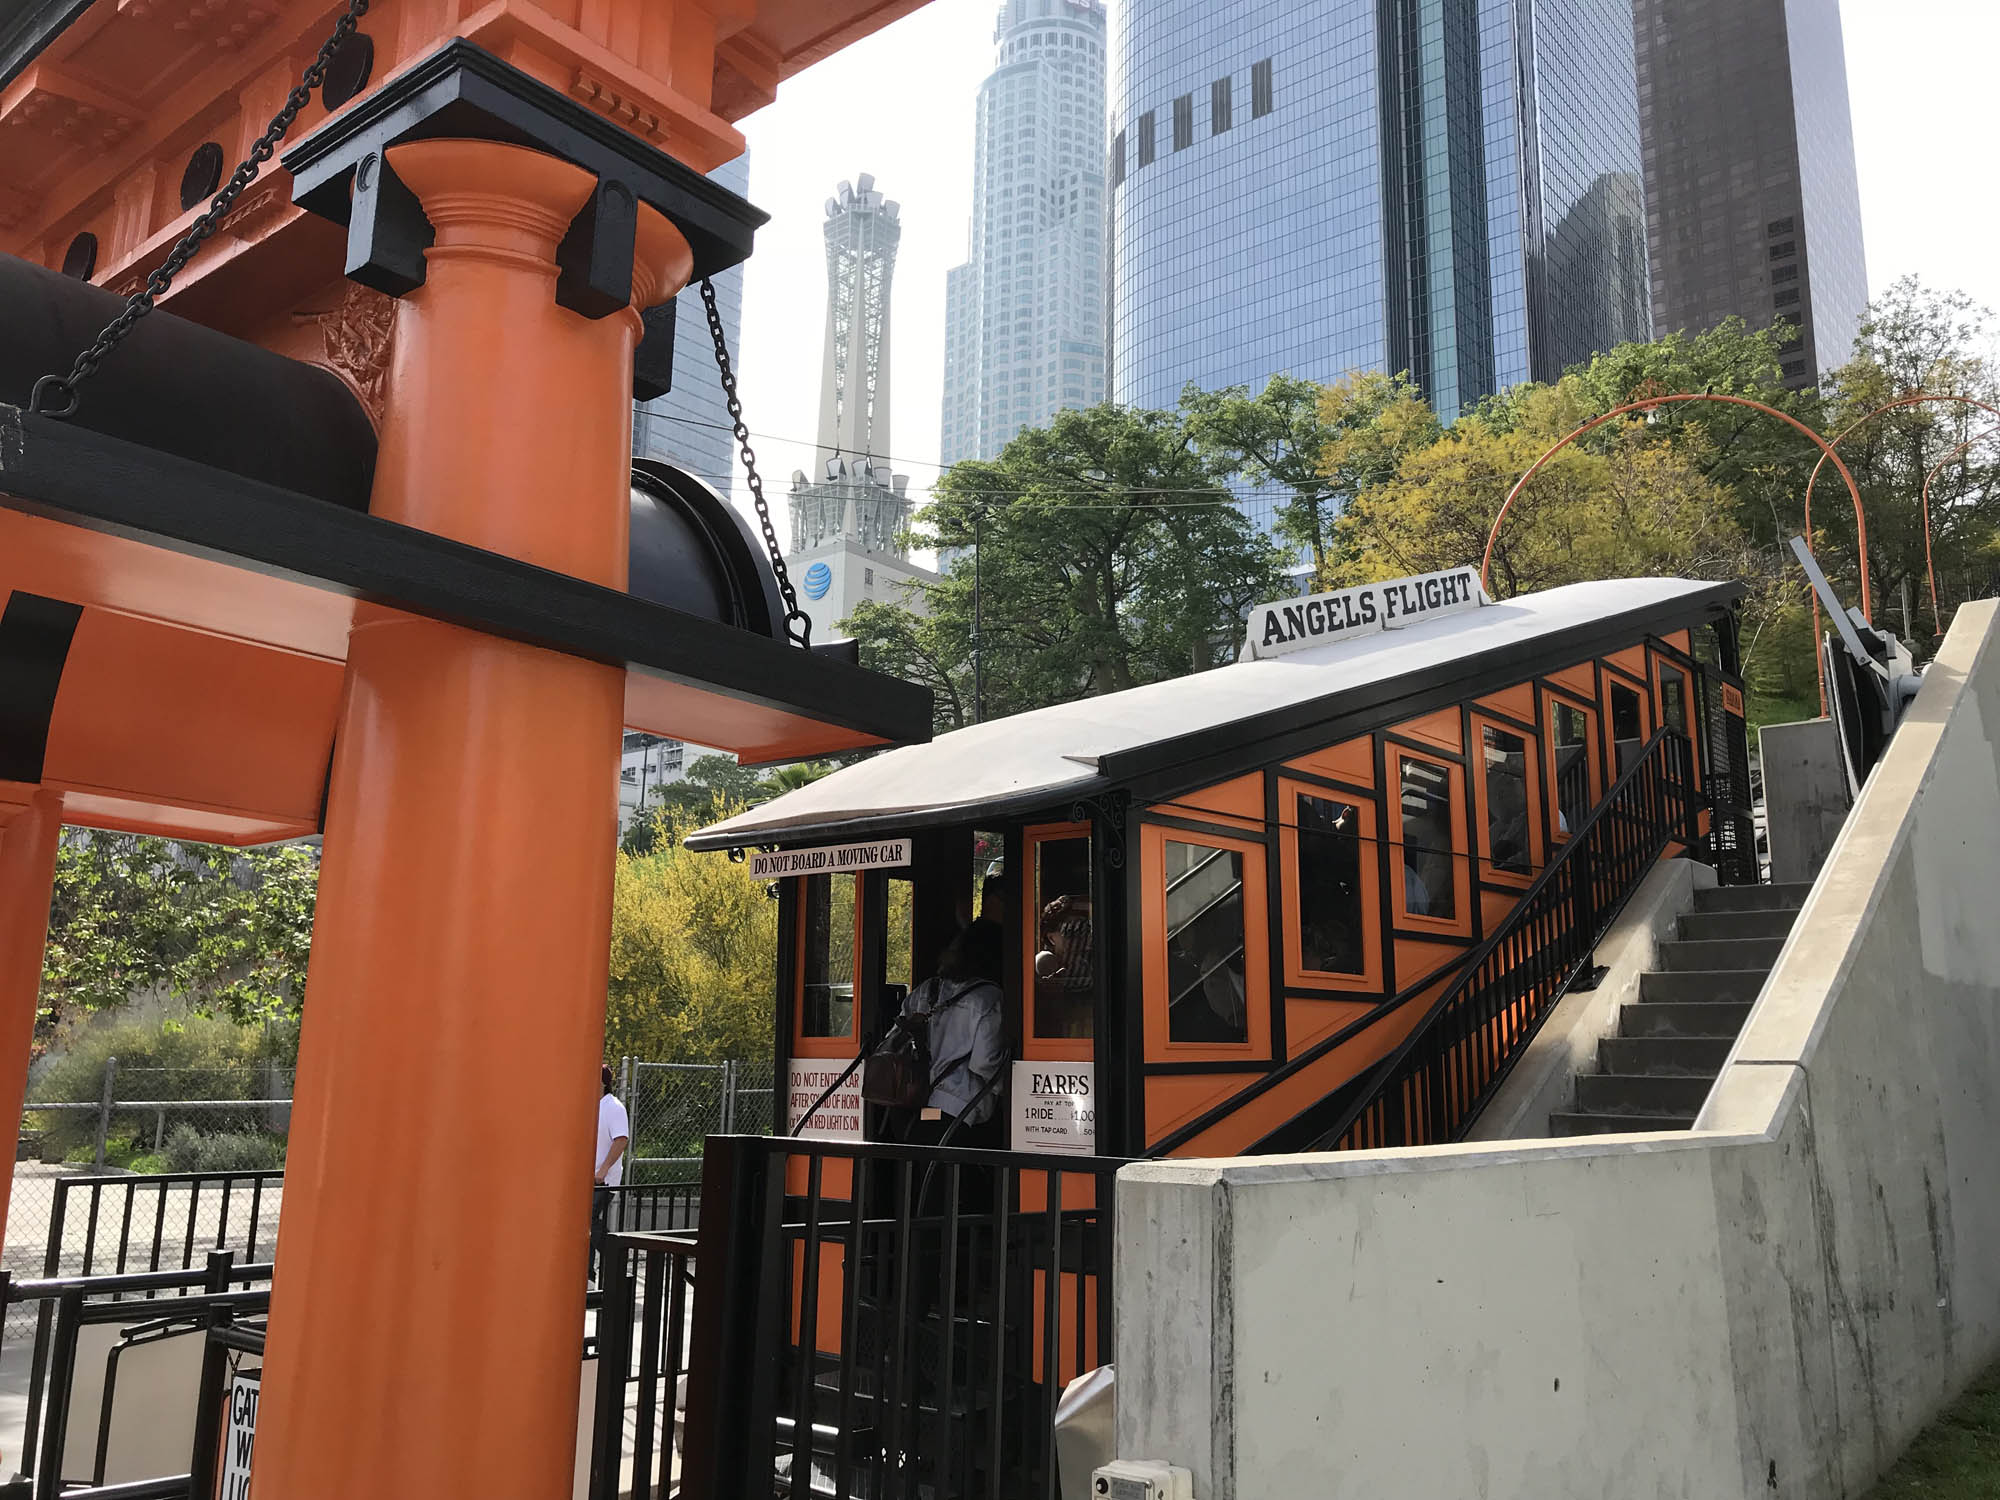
[
  {"x": 1118, "y": 158},
  {"x": 1785, "y": 273},
  {"x": 1260, "y": 89},
  {"x": 1184, "y": 122},
  {"x": 1145, "y": 130},
  {"x": 1789, "y": 247},
  {"x": 1782, "y": 226},
  {"x": 1218, "y": 106}
]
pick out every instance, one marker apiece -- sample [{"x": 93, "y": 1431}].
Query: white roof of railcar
[{"x": 1055, "y": 752}]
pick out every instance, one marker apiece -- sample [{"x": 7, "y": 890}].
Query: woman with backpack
[{"x": 961, "y": 1011}]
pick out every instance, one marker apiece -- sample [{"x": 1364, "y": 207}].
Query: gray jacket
[{"x": 965, "y": 1024}]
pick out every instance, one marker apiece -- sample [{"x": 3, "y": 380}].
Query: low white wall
[
  {"x": 1545, "y": 1078},
  {"x": 1768, "y": 1306}
]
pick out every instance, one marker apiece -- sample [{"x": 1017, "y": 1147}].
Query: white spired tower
[
  {"x": 862, "y": 231},
  {"x": 1024, "y": 316},
  {"x": 848, "y": 520}
]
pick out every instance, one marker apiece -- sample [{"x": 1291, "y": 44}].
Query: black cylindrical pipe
[{"x": 187, "y": 390}]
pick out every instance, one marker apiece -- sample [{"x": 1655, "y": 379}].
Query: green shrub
[
  {"x": 162, "y": 1054},
  {"x": 189, "y": 1150}
]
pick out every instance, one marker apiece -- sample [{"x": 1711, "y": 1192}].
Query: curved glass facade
[{"x": 1448, "y": 187}]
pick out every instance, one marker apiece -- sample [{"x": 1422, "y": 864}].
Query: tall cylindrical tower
[{"x": 862, "y": 231}]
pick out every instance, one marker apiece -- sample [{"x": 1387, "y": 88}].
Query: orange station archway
[{"x": 214, "y": 653}]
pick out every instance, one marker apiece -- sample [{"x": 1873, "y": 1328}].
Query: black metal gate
[
  {"x": 891, "y": 1322},
  {"x": 1732, "y": 829}
]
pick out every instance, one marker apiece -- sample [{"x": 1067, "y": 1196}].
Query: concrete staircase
[{"x": 1656, "y": 1072}]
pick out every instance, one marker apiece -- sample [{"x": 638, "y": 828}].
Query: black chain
[
  {"x": 51, "y": 389},
  {"x": 798, "y": 624}
]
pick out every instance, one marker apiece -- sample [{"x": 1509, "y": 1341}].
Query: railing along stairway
[{"x": 1432, "y": 1087}]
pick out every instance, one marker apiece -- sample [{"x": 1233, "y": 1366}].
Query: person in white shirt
[{"x": 614, "y": 1134}]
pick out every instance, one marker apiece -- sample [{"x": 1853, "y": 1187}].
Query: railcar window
[
  {"x": 827, "y": 1001},
  {"x": 1207, "y": 989},
  {"x": 1569, "y": 733},
  {"x": 1506, "y": 768},
  {"x": 899, "y": 940},
  {"x": 1628, "y": 729},
  {"x": 1330, "y": 930},
  {"x": 1065, "y": 939},
  {"x": 1430, "y": 884},
  {"x": 1673, "y": 699}
]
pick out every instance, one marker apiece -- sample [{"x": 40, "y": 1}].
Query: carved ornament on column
[{"x": 359, "y": 333}]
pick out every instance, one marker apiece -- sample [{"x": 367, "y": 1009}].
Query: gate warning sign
[{"x": 239, "y": 1434}]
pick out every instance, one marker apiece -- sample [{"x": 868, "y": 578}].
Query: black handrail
[{"x": 1432, "y": 1087}]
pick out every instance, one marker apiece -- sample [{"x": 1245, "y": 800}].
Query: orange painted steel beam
[
  {"x": 27, "y": 876},
  {"x": 1648, "y": 404},
  {"x": 425, "y": 1321},
  {"x": 1930, "y": 573},
  {"x": 1812, "y": 483}
]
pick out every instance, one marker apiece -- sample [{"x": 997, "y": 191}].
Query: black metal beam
[
  {"x": 462, "y": 90},
  {"x": 57, "y": 470}
]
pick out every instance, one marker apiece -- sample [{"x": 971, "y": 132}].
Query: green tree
[
  {"x": 933, "y": 649},
  {"x": 1322, "y": 445},
  {"x": 711, "y": 778},
  {"x": 1107, "y": 556},
  {"x": 694, "y": 949},
  {"x": 226, "y": 931},
  {"x": 1913, "y": 341}
]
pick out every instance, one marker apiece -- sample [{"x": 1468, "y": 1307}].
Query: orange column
[
  {"x": 27, "y": 875},
  {"x": 427, "y": 1320}
]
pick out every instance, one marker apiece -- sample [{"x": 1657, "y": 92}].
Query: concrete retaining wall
[{"x": 1768, "y": 1306}]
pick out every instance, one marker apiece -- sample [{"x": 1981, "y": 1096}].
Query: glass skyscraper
[
  {"x": 689, "y": 426},
  {"x": 1447, "y": 187},
  {"x": 1750, "y": 177},
  {"x": 1024, "y": 316}
]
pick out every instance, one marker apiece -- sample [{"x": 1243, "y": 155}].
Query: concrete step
[
  {"x": 1702, "y": 987},
  {"x": 1686, "y": 1020},
  {"x": 1752, "y": 897},
  {"x": 1682, "y": 956},
  {"x": 1641, "y": 1094},
  {"x": 1574, "y": 1122},
  {"x": 1694, "y": 1056},
  {"x": 1708, "y": 926}
]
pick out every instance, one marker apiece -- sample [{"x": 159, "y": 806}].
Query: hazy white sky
[{"x": 900, "y": 105}]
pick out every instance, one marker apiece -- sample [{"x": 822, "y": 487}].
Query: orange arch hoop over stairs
[
  {"x": 1930, "y": 573},
  {"x": 1921, "y": 399},
  {"x": 1650, "y": 403}
]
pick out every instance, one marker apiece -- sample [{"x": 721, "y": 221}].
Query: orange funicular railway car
[{"x": 1317, "y": 899}]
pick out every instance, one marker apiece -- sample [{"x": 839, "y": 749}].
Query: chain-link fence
[
  {"x": 676, "y": 1106},
  {"x": 147, "y": 1120}
]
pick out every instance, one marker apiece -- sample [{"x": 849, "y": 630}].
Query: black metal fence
[
  {"x": 642, "y": 1363},
  {"x": 891, "y": 1322},
  {"x": 147, "y": 1308},
  {"x": 1434, "y": 1085}
]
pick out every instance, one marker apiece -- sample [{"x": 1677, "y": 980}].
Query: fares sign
[
  {"x": 1322, "y": 619},
  {"x": 1054, "y": 1110}
]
